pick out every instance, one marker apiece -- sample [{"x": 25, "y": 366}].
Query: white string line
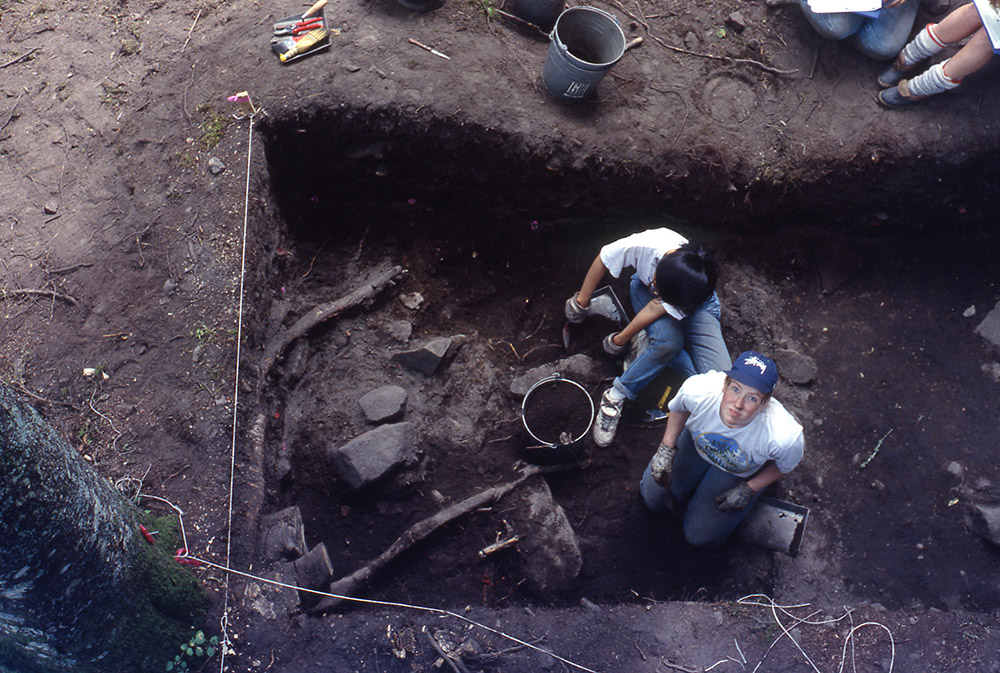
[
  {"x": 224, "y": 620},
  {"x": 849, "y": 639},
  {"x": 372, "y": 601}
]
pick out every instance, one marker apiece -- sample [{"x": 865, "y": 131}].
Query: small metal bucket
[{"x": 574, "y": 406}]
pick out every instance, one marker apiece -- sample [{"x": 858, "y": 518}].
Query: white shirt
[
  {"x": 773, "y": 434},
  {"x": 642, "y": 252}
]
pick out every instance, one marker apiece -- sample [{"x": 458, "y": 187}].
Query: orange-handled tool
[{"x": 315, "y": 8}]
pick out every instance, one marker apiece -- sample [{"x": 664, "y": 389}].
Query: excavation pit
[{"x": 493, "y": 241}]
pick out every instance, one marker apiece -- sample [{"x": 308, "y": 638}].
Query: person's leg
[
  {"x": 704, "y": 524},
  {"x": 930, "y": 41},
  {"x": 689, "y": 467},
  {"x": 665, "y": 342},
  {"x": 959, "y": 24},
  {"x": 881, "y": 38},
  {"x": 942, "y": 76},
  {"x": 974, "y": 55},
  {"x": 704, "y": 346},
  {"x": 834, "y": 26}
]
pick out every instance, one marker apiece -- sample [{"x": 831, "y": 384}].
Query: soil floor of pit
[{"x": 109, "y": 211}]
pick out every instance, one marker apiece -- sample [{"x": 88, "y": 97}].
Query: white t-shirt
[
  {"x": 642, "y": 252},
  {"x": 773, "y": 434}
]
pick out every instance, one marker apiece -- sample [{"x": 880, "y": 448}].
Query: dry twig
[
  {"x": 714, "y": 57},
  {"x": 197, "y": 16},
  {"x": 12, "y": 110},
  {"x": 21, "y": 57},
  {"x": 44, "y": 293}
]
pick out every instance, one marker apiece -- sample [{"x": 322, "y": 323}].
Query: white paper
[{"x": 831, "y": 6}]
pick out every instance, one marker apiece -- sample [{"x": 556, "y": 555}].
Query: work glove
[
  {"x": 611, "y": 348},
  {"x": 574, "y": 312},
  {"x": 662, "y": 465},
  {"x": 736, "y": 498}
]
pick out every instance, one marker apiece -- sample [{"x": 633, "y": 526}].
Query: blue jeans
[
  {"x": 691, "y": 346},
  {"x": 880, "y": 38},
  {"x": 698, "y": 483}
]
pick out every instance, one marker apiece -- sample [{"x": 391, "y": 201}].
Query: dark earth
[{"x": 854, "y": 239}]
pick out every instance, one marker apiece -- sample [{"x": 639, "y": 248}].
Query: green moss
[{"x": 169, "y": 609}]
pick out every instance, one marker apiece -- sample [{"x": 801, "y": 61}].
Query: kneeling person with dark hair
[
  {"x": 726, "y": 441},
  {"x": 673, "y": 295}
]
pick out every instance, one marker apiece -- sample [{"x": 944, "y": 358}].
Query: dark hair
[{"x": 686, "y": 277}]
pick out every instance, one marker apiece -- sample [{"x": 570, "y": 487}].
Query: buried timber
[{"x": 398, "y": 414}]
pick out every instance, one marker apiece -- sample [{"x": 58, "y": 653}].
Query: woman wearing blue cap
[{"x": 726, "y": 441}]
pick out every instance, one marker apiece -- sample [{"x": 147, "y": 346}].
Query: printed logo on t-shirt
[{"x": 723, "y": 451}]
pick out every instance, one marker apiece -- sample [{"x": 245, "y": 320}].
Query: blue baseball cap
[{"x": 755, "y": 370}]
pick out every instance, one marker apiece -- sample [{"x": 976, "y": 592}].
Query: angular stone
[
  {"x": 399, "y": 330},
  {"x": 315, "y": 572},
  {"x": 368, "y": 457},
  {"x": 795, "y": 367},
  {"x": 285, "y": 537},
  {"x": 578, "y": 367},
  {"x": 549, "y": 551},
  {"x": 737, "y": 22},
  {"x": 383, "y": 404},
  {"x": 426, "y": 359},
  {"x": 989, "y": 328},
  {"x": 986, "y": 520}
]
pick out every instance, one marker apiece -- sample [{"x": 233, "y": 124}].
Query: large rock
[
  {"x": 989, "y": 328},
  {"x": 426, "y": 359},
  {"x": 986, "y": 520},
  {"x": 383, "y": 404},
  {"x": 549, "y": 552},
  {"x": 578, "y": 367},
  {"x": 795, "y": 367},
  {"x": 368, "y": 457},
  {"x": 284, "y": 537}
]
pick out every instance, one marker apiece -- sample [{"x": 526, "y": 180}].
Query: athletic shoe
[
  {"x": 891, "y": 76},
  {"x": 892, "y": 98},
  {"x": 607, "y": 420}
]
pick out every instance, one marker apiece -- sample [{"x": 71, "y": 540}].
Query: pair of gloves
[
  {"x": 576, "y": 314},
  {"x": 662, "y": 468}
]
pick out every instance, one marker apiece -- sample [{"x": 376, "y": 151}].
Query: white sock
[
  {"x": 615, "y": 395},
  {"x": 924, "y": 45},
  {"x": 931, "y": 82}
]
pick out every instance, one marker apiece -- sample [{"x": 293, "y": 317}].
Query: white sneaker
[{"x": 607, "y": 420}]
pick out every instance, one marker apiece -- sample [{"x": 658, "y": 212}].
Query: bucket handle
[{"x": 548, "y": 379}]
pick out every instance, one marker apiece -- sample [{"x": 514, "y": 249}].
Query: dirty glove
[
  {"x": 662, "y": 465},
  {"x": 736, "y": 498},
  {"x": 611, "y": 348},
  {"x": 574, "y": 312}
]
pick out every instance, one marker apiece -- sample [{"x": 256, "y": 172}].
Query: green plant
[
  {"x": 487, "y": 5},
  {"x": 193, "y": 650},
  {"x": 203, "y": 333},
  {"x": 114, "y": 94},
  {"x": 212, "y": 127}
]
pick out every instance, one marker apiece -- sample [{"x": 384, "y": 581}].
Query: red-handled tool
[{"x": 146, "y": 534}]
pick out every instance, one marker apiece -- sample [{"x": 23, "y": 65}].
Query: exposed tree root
[
  {"x": 368, "y": 290},
  {"x": 347, "y": 586}
]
